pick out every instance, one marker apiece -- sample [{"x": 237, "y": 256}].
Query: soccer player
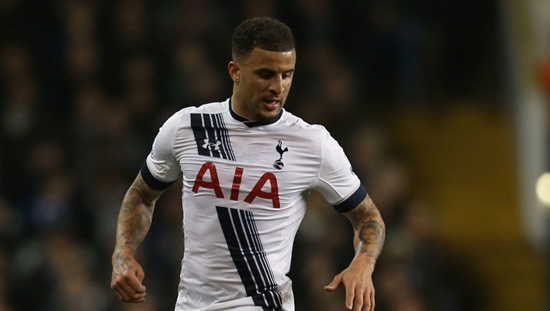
[{"x": 247, "y": 166}]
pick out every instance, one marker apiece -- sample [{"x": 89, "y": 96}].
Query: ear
[{"x": 234, "y": 71}]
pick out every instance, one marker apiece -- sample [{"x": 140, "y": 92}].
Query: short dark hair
[{"x": 265, "y": 33}]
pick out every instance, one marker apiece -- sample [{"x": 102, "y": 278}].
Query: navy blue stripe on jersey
[
  {"x": 249, "y": 257},
  {"x": 267, "y": 278},
  {"x": 218, "y": 119},
  {"x": 211, "y": 136},
  {"x": 199, "y": 133},
  {"x": 273, "y": 294},
  {"x": 151, "y": 181},
  {"x": 350, "y": 203}
]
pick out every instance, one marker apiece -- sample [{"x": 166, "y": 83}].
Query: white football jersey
[{"x": 244, "y": 196}]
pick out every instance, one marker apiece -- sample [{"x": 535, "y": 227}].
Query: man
[{"x": 247, "y": 165}]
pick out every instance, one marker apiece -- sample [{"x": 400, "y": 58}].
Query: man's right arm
[{"x": 134, "y": 221}]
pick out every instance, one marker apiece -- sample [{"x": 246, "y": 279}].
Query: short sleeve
[
  {"x": 161, "y": 167},
  {"x": 337, "y": 182}
]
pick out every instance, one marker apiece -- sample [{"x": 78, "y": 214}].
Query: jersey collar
[{"x": 246, "y": 121}]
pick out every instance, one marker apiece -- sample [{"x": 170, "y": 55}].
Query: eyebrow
[{"x": 267, "y": 70}]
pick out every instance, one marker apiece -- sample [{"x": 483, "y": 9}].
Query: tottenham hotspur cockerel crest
[{"x": 278, "y": 164}]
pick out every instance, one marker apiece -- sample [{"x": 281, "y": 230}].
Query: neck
[{"x": 237, "y": 104}]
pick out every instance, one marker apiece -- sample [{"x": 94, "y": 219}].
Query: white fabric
[{"x": 313, "y": 161}]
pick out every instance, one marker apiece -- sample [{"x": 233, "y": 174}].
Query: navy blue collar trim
[{"x": 244, "y": 120}]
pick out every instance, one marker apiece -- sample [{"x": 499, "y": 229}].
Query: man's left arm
[{"x": 369, "y": 235}]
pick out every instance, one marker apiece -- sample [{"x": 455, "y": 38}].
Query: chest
[{"x": 249, "y": 167}]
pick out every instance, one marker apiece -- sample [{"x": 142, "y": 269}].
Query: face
[{"x": 261, "y": 84}]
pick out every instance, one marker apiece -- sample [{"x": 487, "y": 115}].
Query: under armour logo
[
  {"x": 278, "y": 164},
  {"x": 209, "y": 145}
]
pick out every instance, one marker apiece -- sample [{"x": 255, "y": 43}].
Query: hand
[
  {"x": 127, "y": 278},
  {"x": 357, "y": 281}
]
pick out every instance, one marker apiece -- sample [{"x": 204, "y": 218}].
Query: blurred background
[{"x": 441, "y": 105}]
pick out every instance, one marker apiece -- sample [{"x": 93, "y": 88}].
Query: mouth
[{"x": 272, "y": 104}]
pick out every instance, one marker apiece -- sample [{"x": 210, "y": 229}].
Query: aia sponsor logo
[{"x": 266, "y": 187}]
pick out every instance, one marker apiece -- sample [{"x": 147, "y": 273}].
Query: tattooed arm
[
  {"x": 134, "y": 221},
  {"x": 369, "y": 235}
]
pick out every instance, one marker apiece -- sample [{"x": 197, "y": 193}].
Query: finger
[
  {"x": 138, "y": 298},
  {"x": 128, "y": 294},
  {"x": 140, "y": 275},
  {"x": 350, "y": 295},
  {"x": 358, "y": 301},
  {"x": 126, "y": 289},
  {"x": 120, "y": 292},
  {"x": 362, "y": 305},
  {"x": 134, "y": 284},
  {"x": 138, "y": 301},
  {"x": 334, "y": 284},
  {"x": 122, "y": 295},
  {"x": 119, "y": 295},
  {"x": 368, "y": 301},
  {"x": 372, "y": 300}
]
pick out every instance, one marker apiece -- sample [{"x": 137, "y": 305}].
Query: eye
[{"x": 266, "y": 75}]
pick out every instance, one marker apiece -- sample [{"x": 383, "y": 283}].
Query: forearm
[
  {"x": 134, "y": 219},
  {"x": 369, "y": 230},
  {"x": 370, "y": 233}
]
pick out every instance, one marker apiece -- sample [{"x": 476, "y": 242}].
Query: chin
[{"x": 268, "y": 118}]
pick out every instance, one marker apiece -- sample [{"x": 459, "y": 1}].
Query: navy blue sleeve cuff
[
  {"x": 350, "y": 203},
  {"x": 151, "y": 181}
]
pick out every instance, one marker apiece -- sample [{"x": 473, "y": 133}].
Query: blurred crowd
[{"x": 85, "y": 84}]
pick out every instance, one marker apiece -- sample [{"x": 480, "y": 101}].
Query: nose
[{"x": 277, "y": 84}]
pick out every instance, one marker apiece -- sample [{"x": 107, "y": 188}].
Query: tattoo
[
  {"x": 370, "y": 228},
  {"x": 134, "y": 220},
  {"x": 122, "y": 264}
]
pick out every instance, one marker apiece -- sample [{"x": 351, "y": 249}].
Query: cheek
[
  {"x": 258, "y": 86},
  {"x": 248, "y": 88},
  {"x": 287, "y": 86}
]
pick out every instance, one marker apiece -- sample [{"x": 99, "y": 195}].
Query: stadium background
[{"x": 420, "y": 94}]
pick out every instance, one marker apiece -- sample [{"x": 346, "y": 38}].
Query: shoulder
[
  {"x": 210, "y": 108},
  {"x": 181, "y": 116},
  {"x": 291, "y": 120},
  {"x": 301, "y": 127}
]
